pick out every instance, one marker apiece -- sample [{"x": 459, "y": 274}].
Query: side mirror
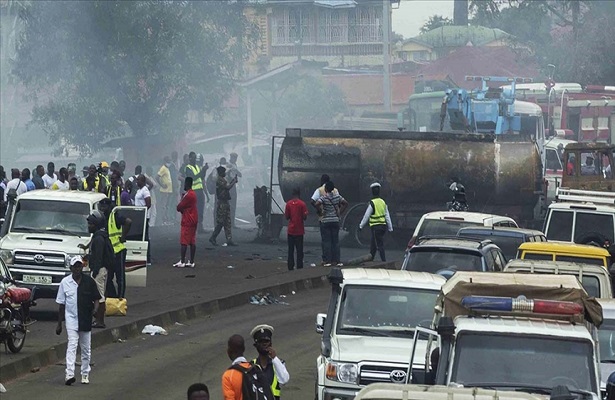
[{"x": 320, "y": 322}]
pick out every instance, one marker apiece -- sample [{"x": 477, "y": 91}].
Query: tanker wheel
[{"x": 350, "y": 223}]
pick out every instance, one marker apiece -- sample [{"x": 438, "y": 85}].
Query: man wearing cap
[
  {"x": 273, "y": 368},
  {"x": 377, "y": 214},
  {"x": 223, "y": 207},
  {"x": 77, "y": 298},
  {"x": 104, "y": 172}
]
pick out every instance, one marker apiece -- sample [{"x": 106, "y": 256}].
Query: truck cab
[
  {"x": 517, "y": 332},
  {"x": 588, "y": 166},
  {"x": 44, "y": 230},
  {"x": 369, "y": 327}
]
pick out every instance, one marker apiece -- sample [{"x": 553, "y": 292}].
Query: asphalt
[{"x": 226, "y": 277}]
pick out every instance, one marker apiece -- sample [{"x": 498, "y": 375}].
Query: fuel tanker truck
[{"x": 501, "y": 169}]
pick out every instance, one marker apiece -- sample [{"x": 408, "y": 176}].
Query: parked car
[
  {"x": 606, "y": 338},
  {"x": 557, "y": 251},
  {"x": 447, "y": 254},
  {"x": 506, "y": 238},
  {"x": 595, "y": 279},
  {"x": 449, "y": 223}
]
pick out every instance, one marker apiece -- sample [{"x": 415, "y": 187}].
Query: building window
[
  {"x": 292, "y": 25},
  {"x": 365, "y": 25},
  {"x": 333, "y": 26},
  {"x": 422, "y": 55}
]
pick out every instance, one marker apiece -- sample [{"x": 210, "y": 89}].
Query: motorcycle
[
  {"x": 15, "y": 303},
  {"x": 459, "y": 202}
]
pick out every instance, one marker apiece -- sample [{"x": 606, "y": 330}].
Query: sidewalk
[{"x": 226, "y": 278}]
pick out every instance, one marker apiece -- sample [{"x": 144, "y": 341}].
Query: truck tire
[
  {"x": 350, "y": 224},
  {"x": 591, "y": 238}
]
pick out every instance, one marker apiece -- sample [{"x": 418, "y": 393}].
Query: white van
[{"x": 45, "y": 228}]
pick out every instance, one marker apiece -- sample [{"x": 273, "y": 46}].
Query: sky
[{"x": 412, "y": 14}]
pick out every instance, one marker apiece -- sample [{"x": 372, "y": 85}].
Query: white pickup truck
[
  {"x": 519, "y": 332},
  {"x": 368, "y": 330},
  {"x": 44, "y": 228}
]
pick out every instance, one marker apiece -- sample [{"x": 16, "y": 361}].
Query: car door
[{"x": 136, "y": 245}]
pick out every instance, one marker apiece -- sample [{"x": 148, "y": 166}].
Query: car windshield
[
  {"x": 434, "y": 227},
  {"x": 384, "y": 310},
  {"x": 606, "y": 337},
  {"x": 433, "y": 260},
  {"x": 523, "y": 360},
  {"x": 46, "y": 215}
]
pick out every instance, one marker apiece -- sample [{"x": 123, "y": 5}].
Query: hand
[
  {"x": 82, "y": 246},
  {"x": 272, "y": 353},
  {"x": 360, "y": 229},
  {"x": 59, "y": 328}
]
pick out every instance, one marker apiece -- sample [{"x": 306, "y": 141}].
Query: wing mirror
[{"x": 320, "y": 322}]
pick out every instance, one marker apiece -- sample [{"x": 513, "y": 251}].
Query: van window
[
  {"x": 537, "y": 256},
  {"x": 560, "y": 225},
  {"x": 584, "y": 260},
  {"x": 588, "y": 224}
]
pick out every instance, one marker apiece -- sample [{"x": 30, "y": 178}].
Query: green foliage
[
  {"x": 435, "y": 21},
  {"x": 102, "y": 69},
  {"x": 308, "y": 102}
]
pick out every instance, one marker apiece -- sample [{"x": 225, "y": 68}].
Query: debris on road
[
  {"x": 154, "y": 330},
  {"x": 266, "y": 299},
  {"x": 230, "y": 267},
  {"x": 250, "y": 276}
]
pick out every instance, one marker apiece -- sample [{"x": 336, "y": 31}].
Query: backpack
[
  {"x": 254, "y": 385},
  {"x": 210, "y": 182}
]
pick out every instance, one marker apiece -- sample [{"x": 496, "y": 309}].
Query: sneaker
[
  {"x": 189, "y": 265},
  {"x": 85, "y": 379},
  {"x": 179, "y": 264},
  {"x": 326, "y": 265},
  {"x": 213, "y": 241},
  {"x": 340, "y": 264},
  {"x": 69, "y": 380}
]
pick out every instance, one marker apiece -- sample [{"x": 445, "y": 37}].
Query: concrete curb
[{"x": 133, "y": 329}]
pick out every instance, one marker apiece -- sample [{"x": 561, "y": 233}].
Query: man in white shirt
[
  {"x": 143, "y": 198},
  {"x": 78, "y": 298},
  {"x": 15, "y": 183},
  {"x": 50, "y": 177},
  {"x": 62, "y": 182}
]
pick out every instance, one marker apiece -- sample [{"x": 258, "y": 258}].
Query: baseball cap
[
  {"x": 75, "y": 260},
  {"x": 104, "y": 164},
  {"x": 375, "y": 184}
]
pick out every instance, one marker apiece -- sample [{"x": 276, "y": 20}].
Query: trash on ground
[
  {"x": 266, "y": 299},
  {"x": 180, "y": 324},
  {"x": 230, "y": 267},
  {"x": 293, "y": 292},
  {"x": 35, "y": 369},
  {"x": 250, "y": 276},
  {"x": 190, "y": 276},
  {"x": 154, "y": 330},
  {"x": 312, "y": 265}
]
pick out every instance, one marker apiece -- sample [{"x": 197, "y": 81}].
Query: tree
[
  {"x": 102, "y": 69},
  {"x": 435, "y": 21}
]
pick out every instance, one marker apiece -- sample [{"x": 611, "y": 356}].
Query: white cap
[
  {"x": 375, "y": 184},
  {"x": 75, "y": 260}
]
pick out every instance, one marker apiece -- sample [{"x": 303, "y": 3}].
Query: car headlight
[
  {"x": 7, "y": 256},
  {"x": 343, "y": 372}
]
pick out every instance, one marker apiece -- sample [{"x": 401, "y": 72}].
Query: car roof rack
[
  {"x": 481, "y": 241},
  {"x": 584, "y": 196}
]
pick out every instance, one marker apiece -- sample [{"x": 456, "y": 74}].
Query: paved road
[{"x": 162, "y": 367}]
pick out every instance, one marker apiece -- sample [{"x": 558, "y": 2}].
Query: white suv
[{"x": 448, "y": 223}]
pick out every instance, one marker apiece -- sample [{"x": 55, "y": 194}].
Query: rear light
[{"x": 521, "y": 303}]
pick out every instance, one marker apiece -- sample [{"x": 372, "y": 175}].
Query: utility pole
[{"x": 386, "y": 53}]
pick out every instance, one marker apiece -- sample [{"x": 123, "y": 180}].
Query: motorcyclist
[{"x": 459, "y": 202}]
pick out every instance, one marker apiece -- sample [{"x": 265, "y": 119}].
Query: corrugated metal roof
[{"x": 457, "y": 36}]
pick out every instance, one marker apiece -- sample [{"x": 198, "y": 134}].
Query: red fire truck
[{"x": 584, "y": 114}]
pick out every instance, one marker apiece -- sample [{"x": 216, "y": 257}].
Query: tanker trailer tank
[{"x": 500, "y": 177}]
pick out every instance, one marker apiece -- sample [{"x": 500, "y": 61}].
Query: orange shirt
[{"x": 232, "y": 382}]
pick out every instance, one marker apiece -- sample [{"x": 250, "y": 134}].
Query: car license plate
[{"x": 40, "y": 279}]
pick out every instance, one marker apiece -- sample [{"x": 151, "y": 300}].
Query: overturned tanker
[{"x": 501, "y": 175}]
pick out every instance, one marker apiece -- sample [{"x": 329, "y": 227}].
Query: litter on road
[
  {"x": 154, "y": 330},
  {"x": 266, "y": 299}
]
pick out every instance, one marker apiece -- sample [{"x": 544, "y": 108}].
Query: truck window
[
  {"x": 579, "y": 259},
  {"x": 537, "y": 256},
  {"x": 560, "y": 225},
  {"x": 606, "y": 337},
  {"x": 523, "y": 359},
  {"x": 591, "y": 284},
  {"x": 433, "y": 260},
  {"x": 553, "y": 161},
  {"x": 385, "y": 310},
  {"x": 588, "y": 224},
  {"x": 57, "y": 216}
]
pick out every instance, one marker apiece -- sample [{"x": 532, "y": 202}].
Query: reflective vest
[
  {"x": 275, "y": 385},
  {"x": 115, "y": 234},
  {"x": 197, "y": 183},
  {"x": 115, "y": 197},
  {"x": 84, "y": 183},
  {"x": 378, "y": 216}
]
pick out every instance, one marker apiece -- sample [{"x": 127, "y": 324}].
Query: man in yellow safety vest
[
  {"x": 273, "y": 368},
  {"x": 196, "y": 172},
  {"x": 377, "y": 214}
]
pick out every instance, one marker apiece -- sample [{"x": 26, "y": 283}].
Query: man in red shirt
[
  {"x": 296, "y": 212},
  {"x": 190, "y": 219}
]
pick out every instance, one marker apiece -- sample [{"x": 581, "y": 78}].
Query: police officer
[
  {"x": 377, "y": 214},
  {"x": 223, "y": 207},
  {"x": 273, "y": 368}
]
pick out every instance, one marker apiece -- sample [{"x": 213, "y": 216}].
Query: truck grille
[
  {"x": 39, "y": 259},
  {"x": 372, "y": 373}
]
